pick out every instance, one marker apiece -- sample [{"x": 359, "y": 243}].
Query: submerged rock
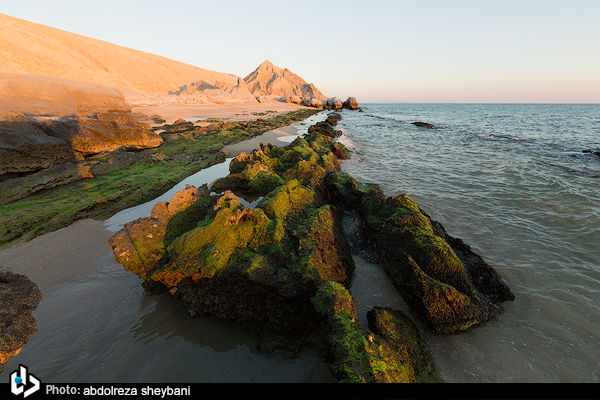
[
  {"x": 19, "y": 296},
  {"x": 424, "y": 125},
  {"x": 589, "y": 151}
]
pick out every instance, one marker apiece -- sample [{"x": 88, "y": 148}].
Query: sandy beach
[
  {"x": 231, "y": 111},
  {"x": 59, "y": 256}
]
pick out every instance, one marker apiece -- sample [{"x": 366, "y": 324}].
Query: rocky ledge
[
  {"x": 19, "y": 296},
  {"x": 39, "y": 153},
  {"x": 266, "y": 244}
]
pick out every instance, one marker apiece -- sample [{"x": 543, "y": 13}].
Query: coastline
[
  {"x": 229, "y": 111},
  {"x": 72, "y": 267},
  {"x": 72, "y": 251}
]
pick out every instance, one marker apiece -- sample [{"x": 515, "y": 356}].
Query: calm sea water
[{"x": 512, "y": 182}]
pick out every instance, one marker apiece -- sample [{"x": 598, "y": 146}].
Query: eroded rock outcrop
[
  {"x": 19, "y": 296},
  {"x": 41, "y": 153},
  {"x": 447, "y": 291},
  {"x": 286, "y": 263},
  {"x": 389, "y": 350},
  {"x": 92, "y": 136},
  {"x": 333, "y": 103}
]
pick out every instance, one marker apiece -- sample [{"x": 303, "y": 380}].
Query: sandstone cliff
[{"x": 141, "y": 78}]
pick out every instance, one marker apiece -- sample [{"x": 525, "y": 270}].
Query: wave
[{"x": 588, "y": 173}]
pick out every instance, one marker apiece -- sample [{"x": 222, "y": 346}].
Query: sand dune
[{"x": 30, "y": 48}]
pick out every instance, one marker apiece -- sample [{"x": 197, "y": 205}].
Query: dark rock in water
[
  {"x": 447, "y": 294},
  {"x": 424, "y": 125},
  {"x": 326, "y": 127},
  {"x": 388, "y": 351},
  {"x": 19, "y": 296},
  {"x": 398, "y": 343},
  {"x": 596, "y": 153}
]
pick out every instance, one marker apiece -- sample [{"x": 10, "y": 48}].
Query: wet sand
[{"x": 60, "y": 256}]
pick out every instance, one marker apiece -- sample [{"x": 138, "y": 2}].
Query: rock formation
[
  {"x": 19, "y": 296},
  {"x": 40, "y": 153},
  {"x": 424, "y": 125},
  {"x": 268, "y": 79},
  {"x": 351, "y": 103},
  {"x": 24, "y": 148},
  {"x": 92, "y": 136},
  {"x": 447, "y": 285},
  {"x": 286, "y": 264},
  {"x": 333, "y": 103}
]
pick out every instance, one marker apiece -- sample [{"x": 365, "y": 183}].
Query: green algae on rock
[
  {"x": 286, "y": 263},
  {"x": 389, "y": 350},
  {"x": 101, "y": 185},
  {"x": 448, "y": 293}
]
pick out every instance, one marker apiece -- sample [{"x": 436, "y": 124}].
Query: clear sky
[{"x": 377, "y": 51}]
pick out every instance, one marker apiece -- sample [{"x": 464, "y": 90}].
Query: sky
[{"x": 425, "y": 51}]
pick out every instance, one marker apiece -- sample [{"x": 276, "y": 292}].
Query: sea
[{"x": 511, "y": 180}]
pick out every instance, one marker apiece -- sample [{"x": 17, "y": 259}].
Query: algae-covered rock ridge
[{"x": 265, "y": 244}]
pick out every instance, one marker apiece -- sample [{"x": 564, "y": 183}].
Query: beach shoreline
[
  {"x": 67, "y": 248},
  {"x": 229, "y": 111}
]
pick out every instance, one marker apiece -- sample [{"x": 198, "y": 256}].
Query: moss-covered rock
[
  {"x": 390, "y": 350},
  {"x": 286, "y": 263},
  {"x": 447, "y": 294},
  {"x": 398, "y": 353}
]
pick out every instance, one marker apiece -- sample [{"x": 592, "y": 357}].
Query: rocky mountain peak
[{"x": 269, "y": 79}]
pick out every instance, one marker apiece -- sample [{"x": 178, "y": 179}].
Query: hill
[
  {"x": 30, "y": 48},
  {"x": 269, "y": 79}
]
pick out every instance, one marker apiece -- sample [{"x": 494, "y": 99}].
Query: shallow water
[
  {"x": 101, "y": 326},
  {"x": 512, "y": 182}
]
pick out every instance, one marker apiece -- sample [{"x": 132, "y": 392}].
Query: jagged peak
[{"x": 266, "y": 63}]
